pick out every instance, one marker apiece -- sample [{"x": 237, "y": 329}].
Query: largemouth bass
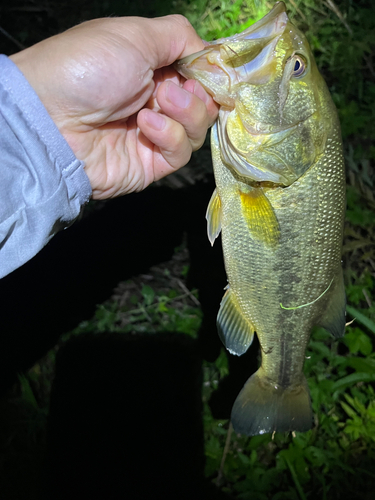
[{"x": 279, "y": 203}]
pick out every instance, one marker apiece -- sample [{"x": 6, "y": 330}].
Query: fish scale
[
  {"x": 279, "y": 204},
  {"x": 298, "y": 271}
]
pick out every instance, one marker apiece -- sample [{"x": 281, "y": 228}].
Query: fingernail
[
  {"x": 178, "y": 96},
  {"x": 155, "y": 120}
]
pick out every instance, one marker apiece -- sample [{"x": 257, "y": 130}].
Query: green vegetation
[
  {"x": 334, "y": 459},
  {"x": 168, "y": 307},
  {"x": 323, "y": 461}
]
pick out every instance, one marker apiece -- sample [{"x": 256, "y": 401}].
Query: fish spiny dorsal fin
[
  {"x": 213, "y": 216},
  {"x": 235, "y": 331},
  {"x": 260, "y": 216}
]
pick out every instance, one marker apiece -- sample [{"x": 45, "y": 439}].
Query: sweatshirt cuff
[
  {"x": 29, "y": 107},
  {"x": 43, "y": 186}
]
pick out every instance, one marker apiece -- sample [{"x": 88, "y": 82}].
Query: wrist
[{"x": 21, "y": 60}]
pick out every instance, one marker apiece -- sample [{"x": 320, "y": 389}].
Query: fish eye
[{"x": 299, "y": 66}]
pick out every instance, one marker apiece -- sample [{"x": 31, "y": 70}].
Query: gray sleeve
[{"x": 42, "y": 184}]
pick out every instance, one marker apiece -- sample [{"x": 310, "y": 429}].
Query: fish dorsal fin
[
  {"x": 213, "y": 216},
  {"x": 260, "y": 216},
  {"x": 333, "y": 318},
  {"x": 235, "y": 331}
]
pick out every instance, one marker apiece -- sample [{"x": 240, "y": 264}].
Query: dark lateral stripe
[{"x": 285, "y": 359}]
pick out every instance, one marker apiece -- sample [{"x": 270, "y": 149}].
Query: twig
[
  {"x": 333, "y": 7},
  {"x": 298, "y": 10},
  {"x": 371, "y": 262},
  {"x": 369, "y": 64},
  {"x": 12, "y": 39},
  {"x": 295, "y": 480},
  {"x": 225, "y": 453},
  {"x": 143, "y": 309},
  {"x": 368, "y": 300},
  {"x": 186, "y": 290}
]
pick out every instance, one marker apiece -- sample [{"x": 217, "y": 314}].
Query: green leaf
[
  {"x": 185, "y": 271},
  {"x": 357, "y": 341},
  {"x": 356, "y": 404},
  {"x": 256, "y": 441},
  {"x": 244, "y": 459},
  {"x": 106, "y": 316},
  {"x": 148, "y": 294},
  {"x": 162, "y": 307},
  {"x": 27, "y": 392},
  {"x": 352, "y": 379},
  {"x": 221, "y": 363},
  {"x": 361, "y": 318},
  {"x": 365, "y": 365},
  {"x": 253, "y": 457},
  {"x": 134, "y": 299},
  {"x": 295, "y": 479},
  {"x": 316, "y": 456},
  {"x": 349, "y": 410},
  {"x": 320, "y": 348}
]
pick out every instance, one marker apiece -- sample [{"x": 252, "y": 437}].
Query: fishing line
[{"x": 309, "y": 303}]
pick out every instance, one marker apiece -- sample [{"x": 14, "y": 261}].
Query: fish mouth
[
  {"x": 249, "y": 75},
  {"x": 244, "y": 57}
]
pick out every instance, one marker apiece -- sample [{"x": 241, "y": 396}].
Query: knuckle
[
  {"x": 201, "y": 112},
  {"x": 180, "y": 137},
  {"x": 181, "y": 20},
  {"x": 180, "y": 154},
  {"x": 175, "y": 138},
  {"x": 198, "y": 143}
]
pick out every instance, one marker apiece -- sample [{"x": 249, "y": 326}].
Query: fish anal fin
[
  {"x": 263, "y": 406},
  {"x": 235, "y": 331},
  {"x": 260, "y": 216},
  {"x": 213, "y": 216},
  {"x": 333, "y": 319}
]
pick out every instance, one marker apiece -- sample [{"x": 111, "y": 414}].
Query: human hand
[{"x": 109, "y": 87}]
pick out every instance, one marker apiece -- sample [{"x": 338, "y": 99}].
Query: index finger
[{"x": 162, "y": 40}]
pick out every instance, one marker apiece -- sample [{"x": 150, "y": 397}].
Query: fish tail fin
[{"x": 263, "y": 406}]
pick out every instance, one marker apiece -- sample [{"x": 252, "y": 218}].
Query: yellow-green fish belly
[{"x": 305, "y": 262}]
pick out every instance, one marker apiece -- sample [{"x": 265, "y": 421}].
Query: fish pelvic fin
[
  {"x": 263, "y": 406},
  {"x": 333, "y": 319},
  {"x": 213, "y": 216},
  {"x": 235, "y": 331},
  {"x": 260, "y": 216}
]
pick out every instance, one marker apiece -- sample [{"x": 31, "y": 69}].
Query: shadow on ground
[{"x": 125, "y": 411}]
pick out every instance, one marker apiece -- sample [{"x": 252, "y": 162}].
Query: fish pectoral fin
[
  {"x": 263, "y": 406},
  {"x": 235, "y": 331},
  {"x": 333, "y": 319},
  {"x": 213, "y": 216},
  {"x": 260, "y": 216}
]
